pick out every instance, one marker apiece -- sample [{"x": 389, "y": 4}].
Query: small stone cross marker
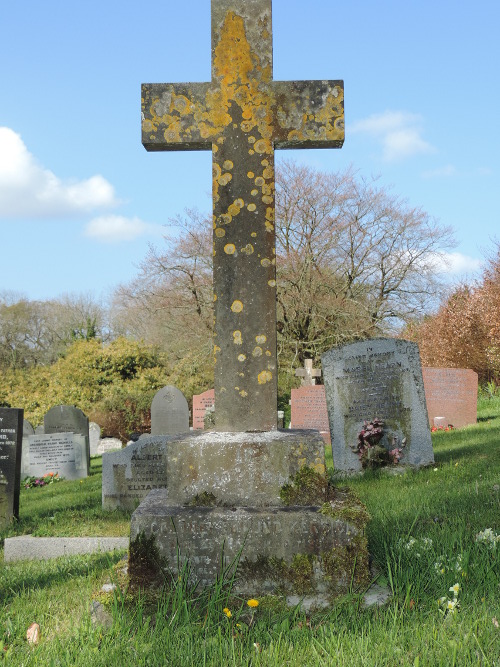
[
  {"x": 308, "y": 373},
  {"x": 242, "y": 115}
]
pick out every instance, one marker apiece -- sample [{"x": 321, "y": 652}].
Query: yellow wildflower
[
  {"x": 253, "y": 603},
  {"x": 227, "y": 612}
]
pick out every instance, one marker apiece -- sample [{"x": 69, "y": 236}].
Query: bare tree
[{"x": 352, "y": 260}]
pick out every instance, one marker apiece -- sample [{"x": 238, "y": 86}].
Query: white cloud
[
  {"x": 116, "y": 228},
  {"x": 455, "y": 263},
  {"x": 29, "y": 190},
  {"x": 441, "y": 172},
  {"x": 398, "y": 132}
]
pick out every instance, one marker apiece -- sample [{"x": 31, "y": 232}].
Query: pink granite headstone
[
  {"x": 200, "y": 404},
  {"x": 451, "y": 393},
  {"x": 309, "y": 410}
]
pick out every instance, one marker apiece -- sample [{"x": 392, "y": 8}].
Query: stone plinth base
[
  {"x": 281, "y": 550},
  {"x": 224, "y": 504}
]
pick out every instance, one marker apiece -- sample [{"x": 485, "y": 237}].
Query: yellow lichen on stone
[
  {"x": 271, "y": 283},
  {"x": 224, "y": 179},
  {"x": 230, "y": 249},
  {"x": 265, "y": 262},
  {"x": 257, "y": 352},
  {"x": 233, "y": 210},
  {"x": 243, "y": 393},
  {"x": 237, "y": 339},
  {"x": 264, "y": 376},
  {"x": 219, "y": 232},
  {"x": 236, "y": 306},
  {"x": 250, "y": 174},
  {"x": 260, "y": 339},
  {"x": 228, "y": 165},
  {"x": 241, "y": 357},
  {"x": 251, "y": 207},
  {"x": 253, "y": 235},
  {"x": 248, "y": 249}
]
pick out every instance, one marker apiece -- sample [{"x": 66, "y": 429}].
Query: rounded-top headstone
[
  {"x": 27, "y": 428},
  {"x": 169, "y": 412}
]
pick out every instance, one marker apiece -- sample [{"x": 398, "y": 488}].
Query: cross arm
[
  {"x": 175, "y": 116},
  {"x": 309, "y": 114}
]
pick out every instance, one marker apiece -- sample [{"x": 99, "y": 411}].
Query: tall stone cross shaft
[{"x": 242, "y": 115}]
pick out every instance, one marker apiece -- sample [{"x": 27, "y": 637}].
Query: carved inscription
[
  {"x": 63, "y": 453},
  {"x": 374, "y": 387}
]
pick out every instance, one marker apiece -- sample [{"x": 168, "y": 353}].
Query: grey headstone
[
  {"x": 11, "y": 434},
  {"x": 39, "y": 429},
  {"x": 27, "y": 431},
  {"x": 63, "y": 453},
  {"x": 379, "y": 378},
  {"x": 130, "y": 474},
  {"x": 94, "y": 437},
  {"x": 27, "y": 428},
  {"x": 169, "y": 412},
  {"x": 108, "y": 445},
  {"x": 68, "y": 419}
]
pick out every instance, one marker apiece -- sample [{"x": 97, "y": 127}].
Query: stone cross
[
  {"x": 308, "y": 374},
  {"x": 242, "y": 115}
]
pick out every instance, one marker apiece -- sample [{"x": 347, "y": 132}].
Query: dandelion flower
[
  {"x": 227, "y": 612},
  {"x": 253, "y": 603}
]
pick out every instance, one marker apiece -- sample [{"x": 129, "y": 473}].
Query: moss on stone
[
  {"x": 346, "y": 506},
  {"x": 145, "y": 564},
  {"x": 205, "y": 499},
  {"x": 308, "y": 487},
  {"x": 347, "y": 566}
]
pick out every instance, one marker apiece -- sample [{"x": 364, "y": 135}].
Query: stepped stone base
[
  {"x": 222, "y": 506},
  {"x": 283, "y": 550}
]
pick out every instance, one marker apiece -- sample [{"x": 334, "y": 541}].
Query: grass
[
  {"x": 422, "y": 538},
  {"x": 68, "y": 509}
]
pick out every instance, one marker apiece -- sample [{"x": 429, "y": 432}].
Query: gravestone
[
  {"x": 201, "y": 403},
  {"x": 169, "y": 412},
  {"x": 39, "y": 429},
  {"x": 27, "y": 431},
  {"x": 108, "y": 445},
  {"x": 309, "y": 410},
  {"x": 451, "y": 394},
  {"x": 62, "y": 453},
  {"x": 68, "y": 419},
  {"x": 308, "y": 374},
  {"x": 94, "y": 437},
  {"x": 130, "y": 474},
  {"x": 242, "y": 116},
  {"x": 377, "y": 379},
  {"x": 11, "y": 433}
]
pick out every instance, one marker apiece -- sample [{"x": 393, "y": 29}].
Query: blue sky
[{"x": 80, "y": 198}]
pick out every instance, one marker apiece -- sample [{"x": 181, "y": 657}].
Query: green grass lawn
[{"x": 422, "y": 538}]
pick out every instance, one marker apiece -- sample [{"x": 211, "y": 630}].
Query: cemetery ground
[{"x": 423, "y": 538}]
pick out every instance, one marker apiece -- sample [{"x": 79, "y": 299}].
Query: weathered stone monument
[
  {"x": 169, "y": 412},
  {"x": 11, "y": 434},
  {"x": 242, "y": 116},
  {"x": 230, "y": 489},
  {"x": 378, "y": 379},
  {"x": 68, "y": 419}
]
